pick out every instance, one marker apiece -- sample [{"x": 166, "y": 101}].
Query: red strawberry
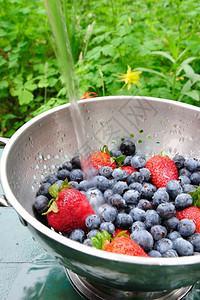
[
  {"x": 72, "y": 210},
  {"x": 124, "y": 245},
  {"x": 100, "y": 159},
  {"x": 128, "y": 169},
  {"x": 162, "y": 169},
  {"x": 192, "y": 213}
]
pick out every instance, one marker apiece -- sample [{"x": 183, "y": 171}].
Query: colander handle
[{"x": 3, "y": 201}]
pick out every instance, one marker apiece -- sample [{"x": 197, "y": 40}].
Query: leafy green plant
[{"x": 161, "y": 38}]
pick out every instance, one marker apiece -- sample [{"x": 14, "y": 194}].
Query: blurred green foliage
[{"x": 161, "y": 38}]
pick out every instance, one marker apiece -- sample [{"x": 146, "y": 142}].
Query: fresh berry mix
[{"x": 130, "y": 206}]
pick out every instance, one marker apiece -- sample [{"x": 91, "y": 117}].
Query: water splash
[{"x": 66, "y": 64}]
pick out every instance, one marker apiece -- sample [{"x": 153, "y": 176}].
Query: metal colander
[{"x": 44, "y": 143}]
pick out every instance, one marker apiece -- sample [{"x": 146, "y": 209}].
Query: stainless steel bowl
[{"x": 40, "y": 146}]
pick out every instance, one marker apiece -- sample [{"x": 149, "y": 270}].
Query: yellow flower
[
  {"x": 130, "y": 77},
  {"x": 180, "y": 78}
]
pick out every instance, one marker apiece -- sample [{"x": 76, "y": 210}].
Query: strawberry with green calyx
[
  {"x": 103, "y": 158},
  {"x": 68, "y": 209},
  {"x": 162, "y": 170},
  {"x": 121, "y": 244},
  {"x": 124, "y": 245}
]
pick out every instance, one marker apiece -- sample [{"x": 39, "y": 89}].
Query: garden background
[{"x": 158, "y": 38}]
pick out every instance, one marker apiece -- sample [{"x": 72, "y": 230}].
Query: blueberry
[
  {"x": 187, "y": 188},
  {"x": 158, "y": 232},
  {"x": 170, "y": 253},
  {"x": 77, "y": 235},
  {"x": 59, "y": 182},
  {"x": 137, "y": 214},
  {"x": 131, "y": 197},
  {"x": 183, "y": 247},
  {"x": 143, "y": 238},
  {"x": 88, "y": 242},
  {"x": 67, "y": 165},
  {"x": 183, "y": 201},
  {"x": 184, "y": 179},
  {"x": 135, "y": 186},
  {"x": 41, "y": 203},
  {"x": 152, "y": 218},
  {"x": 123, "y": 221},
  {"x": 138, "y": 225},
  {"x": 107, "y": 194},
  {"x": 166, "y": 210},
  {"x": 145, "y": 204},
  {"x": 105, "y": 171},
  {"x": 74, "y": 185},
  {"x": 93, "y": 222},
  {"x": 111, "y": 183},
  {"x": 120, "y": 187},
  {"x": 95, "y": 198},
  {"x": 119, "y": 174},
  {"x": 194, "y": 239},
  {"x": 76, "y": 175},
  {"x": 107, "y": 213},
  {"x": 173, "y": 235},
  {"x": 179, "y": 161},
  {"x": 171, "y": 223},
  {"x": 163, "y": 245},
  {"x": 186, "y": 227},
  {"x": 92, "y": 233},
  {"x": 76, "y": 163},
  {"x": 173, "y": 188},
  {"x": 84, "y": 185},
  {"x": 154, "y": 253},
  {"x": 160, "y": 196},
  {"x": 44, "y": 190},
  {"x": 139, "y": 153},
  {"x": 115, "y": 152},
  {"x": 184, "y": 172},
  {"x": 100, "y": 182},
  {"x": 195, "y": 178},
  {"x": 146, "y": 173},
  {"x": 148, "y": 190},
  {"x": 135, "y": 177},
  {"x": 63, "y": 174},
  {"x": 108, "y": 226},
  {"x": 127, "y": 147},
  {"x": 138, "y": 162},
  {"x": 117, "y": 201},
  {"x": 51, "y": 178},
  {"x": 127, "y": 160},
  {"x": 192, "y": 164}
]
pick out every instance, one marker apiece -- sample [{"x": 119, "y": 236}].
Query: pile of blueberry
[{"x": 131, "y": 202}]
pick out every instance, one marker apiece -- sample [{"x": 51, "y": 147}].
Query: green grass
[{"x": 161, "y": 38}]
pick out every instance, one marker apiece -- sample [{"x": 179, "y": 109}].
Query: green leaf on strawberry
[
  {"x": 105, "y": 149},
  {"x": 196, "y": 197},
  {"x": 118, "y": 160},
  {"x": 54, "y": 191},
  {"x": 53, "y": 207},
  {"x": 100, "y": 239}
]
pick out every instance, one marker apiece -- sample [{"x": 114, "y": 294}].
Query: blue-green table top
[{"x": 27, "y": 272}]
